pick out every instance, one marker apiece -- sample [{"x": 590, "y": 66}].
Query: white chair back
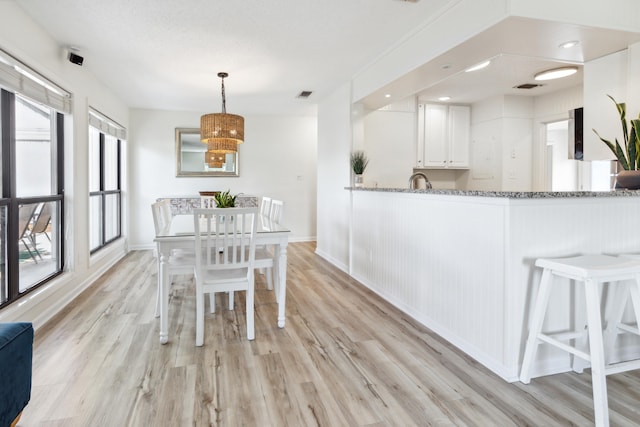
[
  {"x": 265, "y": 206},
  {"x": 277, "y": 210},
  {"x": 225, "y": 237},
  {"x": 161, "y": 215},
  {"x": 208, "y": 202}
]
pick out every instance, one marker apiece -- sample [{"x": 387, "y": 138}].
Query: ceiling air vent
[
  {"x": 305, "y": 94},
  {"x": 526, "y": 86}
]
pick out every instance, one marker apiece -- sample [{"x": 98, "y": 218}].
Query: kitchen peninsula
[{"x": 462, "y": 262}]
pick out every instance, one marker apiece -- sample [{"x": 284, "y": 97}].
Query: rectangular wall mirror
[{"x": 190, "y": 156}]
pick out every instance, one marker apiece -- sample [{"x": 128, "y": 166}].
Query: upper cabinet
[{"x": 443, "y": 136}]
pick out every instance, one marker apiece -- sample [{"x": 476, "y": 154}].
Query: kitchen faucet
[{"x": 412, "y": 180}]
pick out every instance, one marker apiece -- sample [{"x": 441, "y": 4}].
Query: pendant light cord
[{"x": 224, "y": 101}]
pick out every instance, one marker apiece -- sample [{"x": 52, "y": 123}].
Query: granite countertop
[{"x": 507, "y": 194}]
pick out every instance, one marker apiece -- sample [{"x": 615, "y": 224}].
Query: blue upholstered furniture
[{"x": 16, "y": 352}]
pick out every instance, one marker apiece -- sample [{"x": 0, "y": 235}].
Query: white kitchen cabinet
[{"x": 443, "y": 136}]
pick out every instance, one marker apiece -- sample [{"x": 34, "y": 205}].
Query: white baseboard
[{"x": 332, "y": 260}]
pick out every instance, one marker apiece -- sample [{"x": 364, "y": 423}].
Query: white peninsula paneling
[{"x": 463, "y": 265}]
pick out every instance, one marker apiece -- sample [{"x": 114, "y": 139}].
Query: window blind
[
  {"x": 106, "y": 125},
  {"x": 19, "y": 78}
]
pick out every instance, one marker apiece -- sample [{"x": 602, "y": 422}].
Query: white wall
[
  {"x": 486, "y": 145},
  {"x": 26, "y": 41},
  {"x": 277, "y": 159},
  {"x": 390, "y": 143},
  {"x": 602, "y": 77},
  {"x": 501, "y": 139},
  {"x": 547, "y": 109},
  {"x": 334, "y": 173}
]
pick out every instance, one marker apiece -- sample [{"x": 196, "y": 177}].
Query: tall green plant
[
  {"x": 629, "y": 156},
  {"x": 359, "y": 162}
]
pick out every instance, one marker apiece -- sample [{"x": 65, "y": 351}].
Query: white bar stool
[{"x": 590, "y": 270}]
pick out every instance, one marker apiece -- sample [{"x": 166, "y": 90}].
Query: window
[
  {"x": 105, "y": 206},
  {"x": 32, "y": 195},
  {"x": 32, "y": 113}
]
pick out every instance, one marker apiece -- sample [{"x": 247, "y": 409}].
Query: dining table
[{"x": 179, "y": 234}]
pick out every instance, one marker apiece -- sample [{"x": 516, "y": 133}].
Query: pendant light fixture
[
  {"x": 215, "y": 159},
  {"x": 222, "y": 132}
]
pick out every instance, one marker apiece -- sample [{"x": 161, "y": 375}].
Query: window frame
[
  {"x": 103, "y": 194},
  {"x": 12, "y": 202}
]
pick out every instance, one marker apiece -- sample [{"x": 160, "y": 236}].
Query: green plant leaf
[
  {"x": 359, "y": 162},
  {"x": 622, "y": 112},
  {"x": 634, "y": 139},
  {"x": 629, "y": 156},
  {"x": 224, "y": 199},
  {"x": 620, "y": 153}
]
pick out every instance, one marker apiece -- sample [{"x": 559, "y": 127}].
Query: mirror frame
[{"x": 181, "y": 133}]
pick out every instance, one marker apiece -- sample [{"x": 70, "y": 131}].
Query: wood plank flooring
[{"x": 344, "y": 358}]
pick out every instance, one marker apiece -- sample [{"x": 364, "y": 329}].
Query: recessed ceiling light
[
  {"x": 444, "y": 98},
  {"x": 387, "y": 95},
  {"x": 479, "y": 66},
  {"x": 556, "y": 73},
  {"x": 569, "y": 44}
]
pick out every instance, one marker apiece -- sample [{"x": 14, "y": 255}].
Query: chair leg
[
  {"x": 582, "y": 342},
  {"x": 250, "y": 311},
  {"x": 620, "y": 298},
  {"x": 635, "y": 299},
  {"x": 596, "y": 349},
  {"x": 157, "y": 314},
  {"x": 231, "y": 300},
  {"x": 537, "y": 320},
  {"x": 199, "y": 315},
  {"x": 269, "y": 275},
  {"x": 212, "y": 302}
]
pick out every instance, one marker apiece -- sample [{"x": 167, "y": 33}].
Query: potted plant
[
  {"x": 359, "y": 163},
  {"x": 224, "y": 199},
  {"x": 629, "y": 155}
]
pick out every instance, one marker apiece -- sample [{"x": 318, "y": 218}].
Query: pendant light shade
[
  {"x": 215, "y": 159},
  {"x": 222, "y": 131}
]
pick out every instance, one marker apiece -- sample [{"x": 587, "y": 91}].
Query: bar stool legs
[
  {"x": 590, "y": 270},
  {"x": 596, "y": 349},
  {"x": 536, "y": 326}
]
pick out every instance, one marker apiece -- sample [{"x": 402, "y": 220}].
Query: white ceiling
[
  {"x": 519, "y": 48},
  {"x": 165, "y": 54}
]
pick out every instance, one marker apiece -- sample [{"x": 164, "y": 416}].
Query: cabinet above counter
[{"x": 443, "y": 136}]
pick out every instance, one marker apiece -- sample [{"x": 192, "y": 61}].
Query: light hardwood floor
[{"x": 344, "y": 358}]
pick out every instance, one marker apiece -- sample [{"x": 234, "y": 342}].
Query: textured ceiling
[{"x": 165, "y": 54}]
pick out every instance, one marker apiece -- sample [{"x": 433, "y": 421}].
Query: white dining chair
[
  {"x": 265, "y": 206},
  {"x": 276, "y": 211},
  {"x": 265, "y": 209},
  {"x": 180, "y": 261},
  {"x": 265, "y": 256},
  {"x": 225, "y": 254}
]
